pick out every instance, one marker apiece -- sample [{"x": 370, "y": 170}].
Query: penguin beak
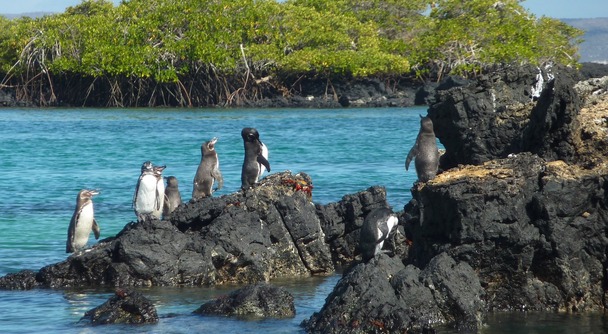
[
  {"x": 93, "y": 192},
  {"x": 213, "y": 140}
]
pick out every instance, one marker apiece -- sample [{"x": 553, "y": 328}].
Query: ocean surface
[{"x": 48, "y": 155}]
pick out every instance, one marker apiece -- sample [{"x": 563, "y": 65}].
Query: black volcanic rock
[
  {"x": 533, "y": 231},
  {"x": 257, "y": 301},
  {"x": 593, "y": 70},
  {"x": 22, "y": 280},
  {"x": 266, "y": 232},
  {"x": 504, "y": 230},
  {"x": 518, "y": 233},
  {"x": 553, "y": 121},
  {"x": 125, "y": 307},
  {"x": 499, "y": 114},
  {"x": 341, "y": 221},
  {"x": 385, "y": 296}
]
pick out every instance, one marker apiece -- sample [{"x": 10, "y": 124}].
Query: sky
[{"x": 552, "y": 8}]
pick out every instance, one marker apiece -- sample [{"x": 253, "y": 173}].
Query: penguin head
[
  {"x": 86, "y": 195},
  {"x": 426, "y": 124},
  {"x": 171, "y": 181},
  {"x": 146, "y": 166},
  {"x": 209, "y": 146},
  {"x": 158, "y": 170},
  {"x": 250, "y": 135}
]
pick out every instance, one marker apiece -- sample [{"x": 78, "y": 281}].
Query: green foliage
[
  {"x": 320, "y": 42},
  {"x": 557, "y": 41},
  {"x": 167, "y": 40},
  {"x": 8, "y": 45},
  {"x": 466, "y": 36}
]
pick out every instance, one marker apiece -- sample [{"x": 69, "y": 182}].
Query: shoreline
[{"x": 315, "y": 93}]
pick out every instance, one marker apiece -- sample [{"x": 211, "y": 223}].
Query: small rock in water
[
  {"x": 260, "y": 301},
  {"x": 125, "y": 307}
]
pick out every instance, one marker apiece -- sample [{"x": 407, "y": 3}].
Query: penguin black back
[{"x": 425, "y": 152}]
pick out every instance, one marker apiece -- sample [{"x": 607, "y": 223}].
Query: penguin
[
  {"x": 208, "y": 172},
  {"x": 425, "y": 152},
  {"x": 82, "y": 222},
  {"x": 159, "y": 203},
  {"x": 147, "y": 200},
  {"x": 376, "y": 228},
  {"x": 256, "y": 158},
  {"x": 173, "y": 198}
]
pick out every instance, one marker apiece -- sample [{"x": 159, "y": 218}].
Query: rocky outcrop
[
  {"x": 511, "y": 110},
  {"x": 125, "y": 307},
  {"x": 386, "y": 296},
  {"x": 266, "y": 232},
  {"x": 518, "y": 216},
  {"x": 591, "y": 70},
  {"x": 270, "y": 231},
  {"x": 253, "y": 301},
  {"x": 553, "y": 121},
  {"x": 533, "y": 231}
]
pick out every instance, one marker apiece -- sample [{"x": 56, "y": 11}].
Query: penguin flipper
[
  {"x": 411, "y": 155},
  {"x": 136, "y": 191},
  {"x": 264, "y": 162},
  {"x": 96, "y": 229},
  {"x": 157, "y": 204},
  {"x": 68, "y": 244},
  {"x": 71, "y": 232}
]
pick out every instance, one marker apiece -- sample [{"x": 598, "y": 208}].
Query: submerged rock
[
  {"x": 22, "y": 280},
  {"x": 125, "y": 307},
  {"x": 257, "y": 301}
]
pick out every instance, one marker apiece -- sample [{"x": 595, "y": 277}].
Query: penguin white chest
[
  {"x": 391, "y": 222},
  {"x": 146, "y": 194},
  {"x": 380, "y": 242},
  {"x": 84, "y": 226},
  {"x": 262, "y": 168},
  {"x": 213, "y": 173}
]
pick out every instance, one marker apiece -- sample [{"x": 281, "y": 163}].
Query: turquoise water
[{"x": 47, "y": 156}]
